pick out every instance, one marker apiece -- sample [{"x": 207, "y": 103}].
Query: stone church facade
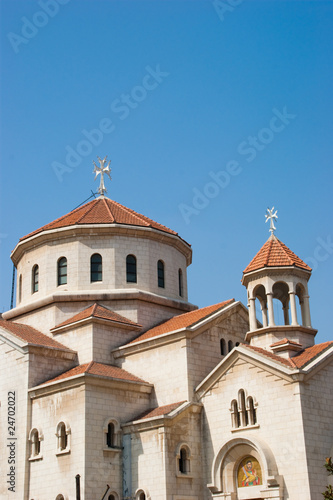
[{"x": 115, "y": 387}]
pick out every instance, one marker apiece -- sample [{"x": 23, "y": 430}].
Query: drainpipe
[
  {"x": 127, "y": 472},
  {"x": 77, "y": 481}
]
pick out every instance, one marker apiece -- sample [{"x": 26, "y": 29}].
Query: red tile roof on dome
[
  {"x": 182, "y": 321},
  {"x": 97, "y": 311},
  {"x": 31, "y": 336},
  {"x": 274, "y": 253},
  {"x": 102, "y": 211},
  {"x": 99, "y": 369}
]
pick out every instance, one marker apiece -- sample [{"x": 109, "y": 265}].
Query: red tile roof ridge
[
  {"x": 275, "y": 357},
  {"x": 108, "y": 209},
  {"x": 181, "y": 321},
  {"x": 97, "y": 311},
  {"x": 285, "y": 341}
]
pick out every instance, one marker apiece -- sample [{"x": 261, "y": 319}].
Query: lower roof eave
[
  {"x": 88, "y": 378},
  {"x": 146, "y": 424},
  {"x": 96, "y": 296}
]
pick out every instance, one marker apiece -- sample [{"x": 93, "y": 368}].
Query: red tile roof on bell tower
[{"x": 274, "y": 253}]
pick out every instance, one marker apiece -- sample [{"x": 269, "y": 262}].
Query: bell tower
[{"x": 277, "y": 273}]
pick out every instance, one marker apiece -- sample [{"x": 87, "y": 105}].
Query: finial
[
  {"x": 270, "y": 216},
  {"x": 103, "y": 169}
]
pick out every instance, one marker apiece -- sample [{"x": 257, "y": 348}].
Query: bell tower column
[{"x": 271, "y": 321}]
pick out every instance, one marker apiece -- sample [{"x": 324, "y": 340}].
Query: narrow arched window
[
  {"x": 35, "y": 443},
  {"x": 131, "y": 269},
  {"x": 35, "y": 279},
  {"x": 222, "y": 347},
  {"x": 63, "y": 437},
  {"x": 235, "y": 417},
  {"x": 96, "y": 267},
  {"x": 160, "y": 273},
  {"x": 183, "y": 461},
  {"x": 180, "y": 282},
  {"x": 62, "y": 271},
  {"x": 112, "y": 497},
  {"x": 63, "y": 434},
  {"x": 20, "y": 288},
  {"x": 252, "y": 414},
  {"x": 242, "y": 408},
  {"x": 110, "y": 436},
  {"x": 142, "y": 496},
  {"x": 230, "y": 346}
]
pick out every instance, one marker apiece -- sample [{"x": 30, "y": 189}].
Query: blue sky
[{"x": 210, "y": 113}]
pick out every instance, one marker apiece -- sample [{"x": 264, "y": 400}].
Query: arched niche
[
  {"x": 225, "y": 471},
  {"x": 280, "y": 291},
  {"x": 259, "y": 294}
]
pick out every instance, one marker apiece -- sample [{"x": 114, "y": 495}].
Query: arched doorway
[{"x": 245, "y": 469}]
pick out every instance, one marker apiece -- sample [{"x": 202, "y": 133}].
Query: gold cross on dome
[
  {"x": 270, "y": 216},
  {"x": 102, "y": 169}
]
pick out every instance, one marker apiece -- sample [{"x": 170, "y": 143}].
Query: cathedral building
[{"x": 115, "y": 387}]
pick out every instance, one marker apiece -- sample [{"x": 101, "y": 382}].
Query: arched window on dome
[
  {"x": 180, "y": 282},
  {"x": 20, "y": 289},
  {"x": 95, "y": 267},
  {"x": 62, "y": 271},
  {"x": 131, "y": 269},
  {"x": 35, "y": 279},
  {"x": 230, "y": 346},
  {"x": 160, "y": 273}
]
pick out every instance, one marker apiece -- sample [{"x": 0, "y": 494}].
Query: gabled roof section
[
  {"x": 182, "y": 321},
  {"x": 102, "y": 211},
  {"x": 99, "y": 312},
  {"x": 300, "y": 365},
  {"x": 309, "y": 354},
  {"x": 31, "y": 336},
  {"x": 274, "y": 253},
  {"x": 160, "y": 411},
  {"x": 270, "y": 355},
  {"x": 98, "y": 369},
  {"x": 300, "y": 360},
  {"x": 284, "y": 342}
]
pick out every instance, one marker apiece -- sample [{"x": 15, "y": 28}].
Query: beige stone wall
[
  {"x": 165, "y": 367},
  {"x": 279, "y": 423},
  {"x": 155, "y": 466},
  {"x": 43, "y": 367},
  {"x": 14, "y": 378},
  {"x": 204, "y": 351},
  {"x": 54, "y": 473},
  {"x": 317, "y": 408},
  {"x": 105, "y": 466}
]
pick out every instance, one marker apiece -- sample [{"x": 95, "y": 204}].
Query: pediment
[{"x": 242, "y": 356}]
